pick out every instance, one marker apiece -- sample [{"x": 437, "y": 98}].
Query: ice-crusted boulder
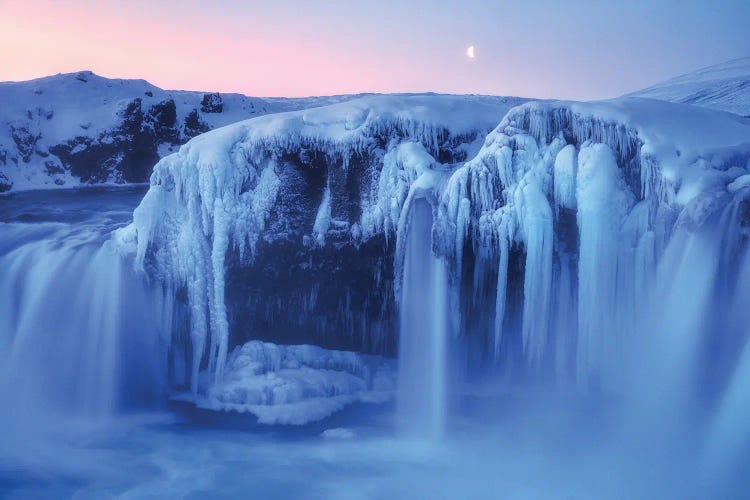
[
  {"x": 281, "y": 227},
  {"x": 80, "y": 128},
  {"x": 297, "y": 384}
]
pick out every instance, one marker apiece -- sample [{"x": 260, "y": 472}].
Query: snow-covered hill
[
  {"x": 725, "y": 87},
  {"x": 81, "y": 128}
]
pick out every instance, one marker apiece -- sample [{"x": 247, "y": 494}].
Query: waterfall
[
  {"x": 81, "y": 333},
  {"x": 728, "y": 439},
  {"x": 422, "y": 361},
  {"x": 730, "y": 434}
]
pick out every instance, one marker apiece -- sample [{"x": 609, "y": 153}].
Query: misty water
[{"x": 86, "y": 412}]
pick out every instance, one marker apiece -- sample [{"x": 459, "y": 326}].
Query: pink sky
[
  {"x": 43, "y": 38},
  {"x": 190, "y": 51},
  {"x": 299, "y": 48}
]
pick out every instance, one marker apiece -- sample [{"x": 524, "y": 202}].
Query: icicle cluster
[{"x": 624, "y": 180}]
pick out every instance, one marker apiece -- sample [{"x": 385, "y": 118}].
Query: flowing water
[
  {"x": 80, "y": 334},
  {"x": 423, "y": 340}
]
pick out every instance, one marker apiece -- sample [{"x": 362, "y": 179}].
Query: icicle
[
  {"x": 219, "y": 323},
  {"x": 402, "y": 166},
  {"x": 463, "y": 217},
  {"x": 602, "y": 204},
  {"x": 323, "y": 218},
  {"x": 536, "y": 220},
  {"x": 502, "y": 284},
  {"x": 565, "y": 178}
]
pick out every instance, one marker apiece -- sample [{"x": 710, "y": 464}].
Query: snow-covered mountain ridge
[
  {"x": 80, "y": 128},
  {"x": 725, "y": 87}
]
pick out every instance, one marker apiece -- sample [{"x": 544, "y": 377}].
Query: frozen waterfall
[{"x": 593, "y": 250}]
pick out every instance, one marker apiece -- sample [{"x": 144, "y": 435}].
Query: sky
[{"x": 536, "y": 48}]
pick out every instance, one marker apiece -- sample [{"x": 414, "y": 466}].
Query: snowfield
[{"x": 725, "y": 87}]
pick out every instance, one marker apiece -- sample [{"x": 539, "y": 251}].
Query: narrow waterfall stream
[{"x": 423, "y": 360}]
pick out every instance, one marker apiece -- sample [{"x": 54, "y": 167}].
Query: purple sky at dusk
[{"x": 575, "y": 50}]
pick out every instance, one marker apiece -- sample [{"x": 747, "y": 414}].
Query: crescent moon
[{"x": 470, "y": 52}]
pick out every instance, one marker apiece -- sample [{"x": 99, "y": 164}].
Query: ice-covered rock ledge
[
  {"x": 295, "y": 222},
  {"x": 297, "y": 203},
  {"x": 295, "y": 385}
]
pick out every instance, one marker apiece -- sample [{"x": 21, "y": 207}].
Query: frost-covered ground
[{"x": 724, "y": 86}]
